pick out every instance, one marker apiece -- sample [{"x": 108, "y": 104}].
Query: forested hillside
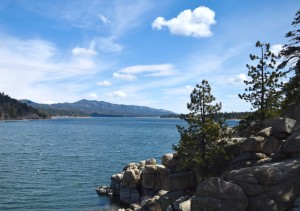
[{"x": 13, "y": 109}]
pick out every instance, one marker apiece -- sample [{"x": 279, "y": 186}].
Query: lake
[{"x": 57, "y": 164}]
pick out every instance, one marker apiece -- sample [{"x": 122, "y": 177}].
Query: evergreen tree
[
  {"x": 291, "y": 54},
  {"x": 264, "y": 84},
  {"x": 200, "y": 143}
]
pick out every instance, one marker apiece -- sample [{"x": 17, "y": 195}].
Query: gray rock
[
  {"x": 170, "y": 197},
  {"x": 216, "y": 194},
  {"x": 253, "y": 144},
  {"x": 292, "y": 111},
  {"x": 162, "y": 174},
  {"x": 131, "y": 178},
  {"x": 149, "y": 176},
  {"x": 150, "y": 161},
  {"x": 129, "y": 196},
  {"x": 262, "y": 202},
  {"x": 182, "y": 204},
  {"x": 265, "y": 132},
  {"x": 281, "y": 127},
  {"x": 168, "y": 161},
  {"x": 292, "y": 144},
  {"x": 271, "y": 145},
  {"x": 273, "y": 186}
]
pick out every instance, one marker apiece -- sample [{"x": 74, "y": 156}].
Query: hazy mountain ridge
[{"x": 98, "y": 108}]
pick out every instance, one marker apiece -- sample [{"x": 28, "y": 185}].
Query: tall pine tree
[
  {"x": 199, "y": 145},
  {"x": 263, "y": 87},
  {"x": 291, "y": 55}
]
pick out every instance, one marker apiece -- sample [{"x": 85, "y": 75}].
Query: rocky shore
[{"x": 264, "y": 175}]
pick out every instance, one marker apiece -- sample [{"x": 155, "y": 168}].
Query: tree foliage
[
  {"x": 13, "y": 109},
  {"x": 291, "y": 55},
  {"x": 200, "y": 143},
  {"x": 264, "y": 85}
]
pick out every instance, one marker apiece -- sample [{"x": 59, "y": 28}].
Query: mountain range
[{"x": 98, "y": 109}]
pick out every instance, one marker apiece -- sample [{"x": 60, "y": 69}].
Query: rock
[
  {"x": 281, "y": 127},
  {"x": 292, "y": 144},
  {"x": 131, "y": 166},
  {"x": 247, "y": 159},
  {"x": 271, "y": 145},
  {"x": 162, "y": 174},
  {"x": 129, "y": 195},
  {"x": 181, "y": 181},
  {"x": 131, "y": 178},
  {"x": 135, "y": 207},
  {"x": 170, "y": 197},
  {"x": 273, "y": 186},
  {"x": 253, "y": 144},
  {"x": 151, "y": 204},
  {"x": 292, "y": 111},
  {"x": 265, "y": 132},
  {"x": 168, "y": 161},
  {"x": 216, "y": 194},
  {"x": 149, "y": 176},
  {"x": 115, "y": 184},
  {"x": 182, "y": 204},
  {"x": 262, "y": 202},
  {"x": 150, "y": 161}
]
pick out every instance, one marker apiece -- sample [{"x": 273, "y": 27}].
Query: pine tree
[
  {"x": 291, "y": 55},
  {"x": 265, "y": 83},
  {"x": 199, "y": 144}
]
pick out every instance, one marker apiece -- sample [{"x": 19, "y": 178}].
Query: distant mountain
[
  {"x": 13, "y": 109},
  {"x": 97, "y": 109}
]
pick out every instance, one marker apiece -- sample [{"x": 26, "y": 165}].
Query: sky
[{"x": 135, "y": 52}]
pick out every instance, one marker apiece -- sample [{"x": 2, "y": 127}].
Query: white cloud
[
  {"x": 93, "y": 96},
  {"x": 129, "y": 77},
  {"x": 107, "y": 45},
  {"x": 117, "y": 94},
  {"x": 103, "y": 19},
  {"x": 77, "y": 51},
  {"x": 238, "y": 79},
  {"x": 152, "y": 70},
  {"x": 276, "y": 48},
  {"x": 194, "y": 23},
  {"x": 104, "y": 83}
]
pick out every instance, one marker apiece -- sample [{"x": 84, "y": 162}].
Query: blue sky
[{"x": 137, "y": 52}]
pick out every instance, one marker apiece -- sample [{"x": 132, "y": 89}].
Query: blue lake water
[{"x": 57, "y": 164}]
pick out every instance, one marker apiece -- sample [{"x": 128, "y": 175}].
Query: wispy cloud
[
  {"x": 117, "y": 94},
  {"x": 150, "y": 70},
  {"x": 240, "y": 78},
  {"x": 194, "y": 23},
  {"x": 104, "y": 83},
  {"x": 126, "y": 76}
]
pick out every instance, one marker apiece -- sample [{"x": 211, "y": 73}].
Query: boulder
[
  {"x": 292, "y": 144},
  {"x": 131, "y": 178},
  {"x": 181, "y": 181},
  {"x": 292, "y": 111},
  {"x": 265, "y": 132},
  {"x": 273, "y": 186},
  {"x": 131, "y": 166},
  {"x": 162, "y": 173},
  {"x": 150, "y": 161},
  {"x": 129, "y": 195},
  {"x": 182, "y": 204},
  {"x": 281, "y": 127},
  {"x": 170, "y": 197},
  {"x": 168, "y": 161},
  {"x": 149, "y": 176},
  {"x": 253, "y": 144},
  {"x": 247, "y": 159},
  {"x": 271, "y": 145},
  {"x": 217, "y": 194}
]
